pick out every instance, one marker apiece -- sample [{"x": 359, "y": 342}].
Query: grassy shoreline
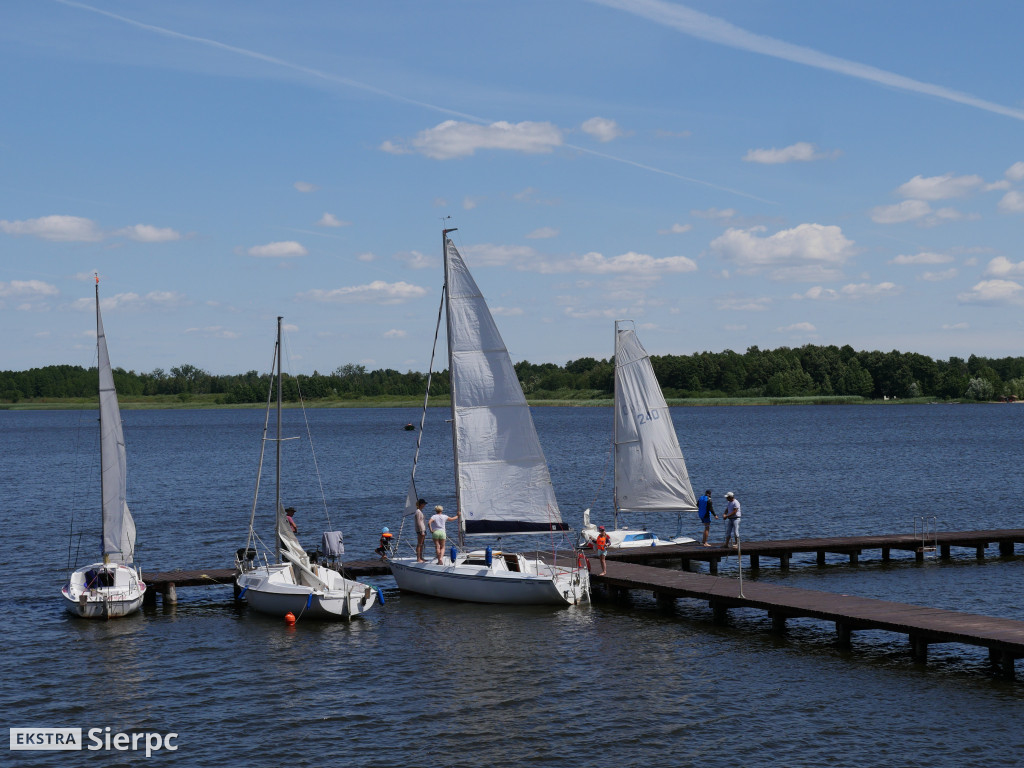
[{"x": 169, "y": 402}]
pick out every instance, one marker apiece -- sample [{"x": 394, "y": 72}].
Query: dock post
[
  {"x": 885, "y": 554},
  {"x": 844, "y": 634},
  {"x": 784, "y": 561},
  {"x": 778, "y": 623},
  {"x": 713, "y": 566},
  {"x": 854, "y": 558},
  {"x": 720, "y": 614},
  {"x": 918, "y": 648},
  {"x": 684, "y": 564},
  {"x": 919, "y": 555},
  {"x": 755, "y": 562},
  {"x": 1008, "y": 669},
  {"x": 944, "y": 551},
  {"x": 149, "y": 598},
  {"x": 821, "y": 558},
  {"x": 170, "y": 594},
  {"x": 980, "y": 551},
  {"x": 1006, "y": 548}
]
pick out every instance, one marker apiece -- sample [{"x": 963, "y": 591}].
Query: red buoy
[{"x": 289, "y": 618}]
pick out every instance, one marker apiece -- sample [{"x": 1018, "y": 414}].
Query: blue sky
[{"x": 726, "y": 174}]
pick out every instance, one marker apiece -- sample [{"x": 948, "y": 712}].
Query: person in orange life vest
[
  {"x": 385, "y": 543},
  {"x": 601, "y": 543}
]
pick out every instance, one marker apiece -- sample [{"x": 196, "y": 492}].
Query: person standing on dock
[
  {"x": 421, "y": 529},
  {"x": 705, "y": 509},
  {"x": 601, "y": 542},
  {"x": 732, "y": 519}
]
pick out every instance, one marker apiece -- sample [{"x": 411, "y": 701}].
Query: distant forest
[{"x": 807, "y": 371}]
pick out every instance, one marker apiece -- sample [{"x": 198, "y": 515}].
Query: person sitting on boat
[
  {"x": 385, "y": 543},
  {"x": 289, "y": 515},
  {"x": 437, "y": 531},
  {"x": 601, "y": 543},
  {"x": 705, "y": 509}
]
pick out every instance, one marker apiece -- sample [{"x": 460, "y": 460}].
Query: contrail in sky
[
  {"x": 332, "y": 78},
  {"x": 715, "y": 30}
]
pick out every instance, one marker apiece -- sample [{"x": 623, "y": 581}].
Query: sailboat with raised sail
[
  {"x": 293, "y": 583},
  {"x": 650, "y": 472},
  {"x": 113, "y": 587},
  {"x": 502, "y": 483}
]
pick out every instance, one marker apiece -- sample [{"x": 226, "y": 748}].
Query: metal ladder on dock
[{"x": 925, "y": 533}]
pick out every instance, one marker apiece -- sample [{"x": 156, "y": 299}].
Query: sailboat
[
  {"x": 502, "y": 483},
  {"x": 293, "y": 583},
  {"x": 650, "y": 472},
  {"x": 113, "y": 587}
]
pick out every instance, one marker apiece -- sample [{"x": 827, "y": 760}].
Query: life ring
[{"x": 583, "y": 561}]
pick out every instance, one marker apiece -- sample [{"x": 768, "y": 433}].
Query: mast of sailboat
[
  {"x": 103, "y": 493},
  {"x": 451, "y": 383},
  {"x": 615, "y": 425},
  {"x": 277, "y": 493}
]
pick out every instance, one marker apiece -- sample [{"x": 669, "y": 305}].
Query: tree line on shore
[{"x": 809, "y": 370}]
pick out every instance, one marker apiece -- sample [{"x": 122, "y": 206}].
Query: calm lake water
[{"x": 426, "y": 682}]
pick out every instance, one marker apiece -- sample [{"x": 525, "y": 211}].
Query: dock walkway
[
  {"x": 852, "y": 547},
  {"x": 1004, "y": 638}
]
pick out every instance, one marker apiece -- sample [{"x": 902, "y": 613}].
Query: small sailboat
[
  {"x": 113, "y": 587},
  {"x": 502, "y": 483},
  {"x": 293, "y": 582},
  {"x": 650, "y": 472}
]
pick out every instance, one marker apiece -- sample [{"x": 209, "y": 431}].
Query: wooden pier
[
  {"x": 941, "y": 543},
  {"x": 1004, "y": 638}
]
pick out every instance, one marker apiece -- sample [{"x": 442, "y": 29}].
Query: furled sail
[
  {"x": 503, "y": 482},
  {"x": 118, "y": 526},
  {"x": 650, "y": 473}
]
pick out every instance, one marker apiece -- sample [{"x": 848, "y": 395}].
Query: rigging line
[
  {"x": 263, "y": 449},
  {"x": 309, "y": 436},
  {"x": 76, "y": 473},
  {"x": 426, "y": 399}
]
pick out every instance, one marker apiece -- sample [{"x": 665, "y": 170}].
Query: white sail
[
  {"x": 650, "y": 473},
  {"x": 118, "y": 526},
  {"x": 503, "y": 483}
]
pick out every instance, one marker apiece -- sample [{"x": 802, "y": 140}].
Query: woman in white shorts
[{"x": 437, "y": 531}]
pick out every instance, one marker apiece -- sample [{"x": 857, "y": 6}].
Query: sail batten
[
  {"x": 503, "y": 482},
  {"x": 650, "y": 471},
  {"x": 118, "y": 525}
]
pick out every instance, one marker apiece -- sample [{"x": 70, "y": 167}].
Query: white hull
[
  {"x": 536, "y": 583},
  {"x": 629, "y": 538},
  {"x": 101, "y": 591},
  {"x": 272, "y": 590}
]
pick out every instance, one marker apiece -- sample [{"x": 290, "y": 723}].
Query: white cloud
[
  {"x": 527, "y": 259},
  {"x": 935, "y": 277},
  {"x": 146, "y": 233},
  {"x": 818, "y": 293},
  {"x": 394, "y": 149},
  {"x": 414, "y": 259},
  {"x": 908, "y": 210},
  {"x": 394, "y": 333},
  {"x": 305, "y": 186},
  {"x": 377, "y": 292},
  {"x": 63, "y": 229},
  {"x": 940, "y": 187},
  {"x": 994, "y": 292},
  {"x": 714, "y": 213},
  {"x": 797, "y": 327},
  {"x": 740, "y": 304},
  {"x": 367, "y": 256},
  {"x": 868, "y": 292},
  {"x": 453, "y": 139},
  {"x": 676, "y": 229},
  {"x": 282, "y": 250},
  {"x": 506, "y": 311},
  {"x": 330, "y": 220},
  {"x": 1001, "y": 266},
  {"x": 542, "y": 233},
  {"x": 955, "y": 326},
  {"x": 1012, "y": 202},
  {"x": 924, "y": 257},
  {"x": 214, "y": 332},
  {"x": 132, "y": 300},
  {"x": 807, "y": 252},
  {"x": 802, "y": 151},
  {"x": 735, "y": 327},
  {"x": 469, "y": 203},
  {"x": 27, "y": 289},
  {"x": 602, "y": 129},
  {"x": 1015, "y": 172},
  {"x": 595, "y": 314}
]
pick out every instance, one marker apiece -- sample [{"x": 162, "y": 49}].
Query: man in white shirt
[{"x": 732, "y": 519}]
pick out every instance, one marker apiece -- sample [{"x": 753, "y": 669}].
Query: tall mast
[
  {"x": 277, "y": 496},
  {"x": 103, "y": 494},
  {"x": 615, "y": 425},
  {"x": 451, "y": 382}
]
